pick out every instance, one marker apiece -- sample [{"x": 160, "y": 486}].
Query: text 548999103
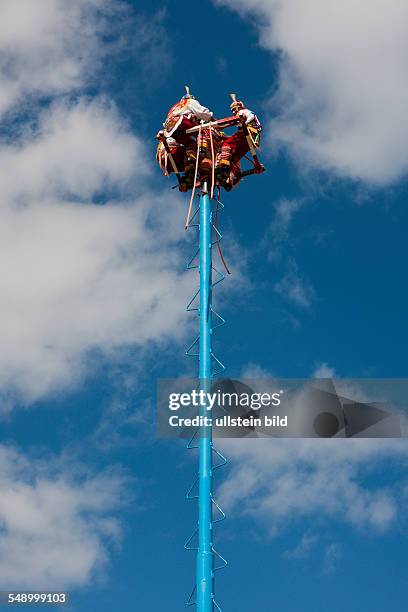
[{"x": 24, "y": 597}]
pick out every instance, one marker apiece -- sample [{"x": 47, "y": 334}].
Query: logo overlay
[{"x": 283, "y": 408}]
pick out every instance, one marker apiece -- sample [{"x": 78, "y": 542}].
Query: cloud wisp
[
  {"x": 303, "y": 549},
  {"x": 294, "y": 288}
]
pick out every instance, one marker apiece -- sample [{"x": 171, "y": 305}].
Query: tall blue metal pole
[{"x": 205, "y": 555}]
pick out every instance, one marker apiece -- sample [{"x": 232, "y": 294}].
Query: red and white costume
[
  {"x": 234, "y": 147},
  {"x": 186, "y": 113}
]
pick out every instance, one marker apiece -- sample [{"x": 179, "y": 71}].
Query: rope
[
  {"x": 164, "y": 167},
  {"x": 213, "y": 165},
  {"x": 195, "y": 179},
  {"x": 249, "y": 159}
]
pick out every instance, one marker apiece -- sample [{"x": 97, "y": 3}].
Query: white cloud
[
  {"x": 78, "y": 279},
  {"x": 77, "y": 276},
  {"x": 77, "y": 149},
  {"x": 56, "y": 525},
  {"x": 279, "y": 481},
  {"x": 343, "y": 85},
  {"x": 48, "y": 47}
]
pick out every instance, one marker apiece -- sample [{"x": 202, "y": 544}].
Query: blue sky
[{"x": 93, "y": 292}]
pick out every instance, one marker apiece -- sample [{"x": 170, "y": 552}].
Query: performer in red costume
[
  {"x": 234, "y": 147},
  {"x": 186, "y": 113}
]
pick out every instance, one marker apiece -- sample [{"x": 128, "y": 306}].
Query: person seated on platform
[
  {"x": 234, "y": 147},
  {"x": 185, "y": 114}
]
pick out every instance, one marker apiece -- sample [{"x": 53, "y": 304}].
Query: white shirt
[
  {"x": 249, "y": 115},
  {"x": 195, "y": 108}
]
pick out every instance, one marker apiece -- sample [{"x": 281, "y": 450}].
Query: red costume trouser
[
  {"x": 185, "y": 149},
  {"x": 187, "y": 140},
  {"x": 178, "y": 156},
  {"x": 205, "y": 144},
  {"x": 234, "y": 147}
]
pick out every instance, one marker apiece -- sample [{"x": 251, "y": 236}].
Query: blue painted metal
[
  {"x": 205, "y": 555},
  {"x": 208, "y": 560}
]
